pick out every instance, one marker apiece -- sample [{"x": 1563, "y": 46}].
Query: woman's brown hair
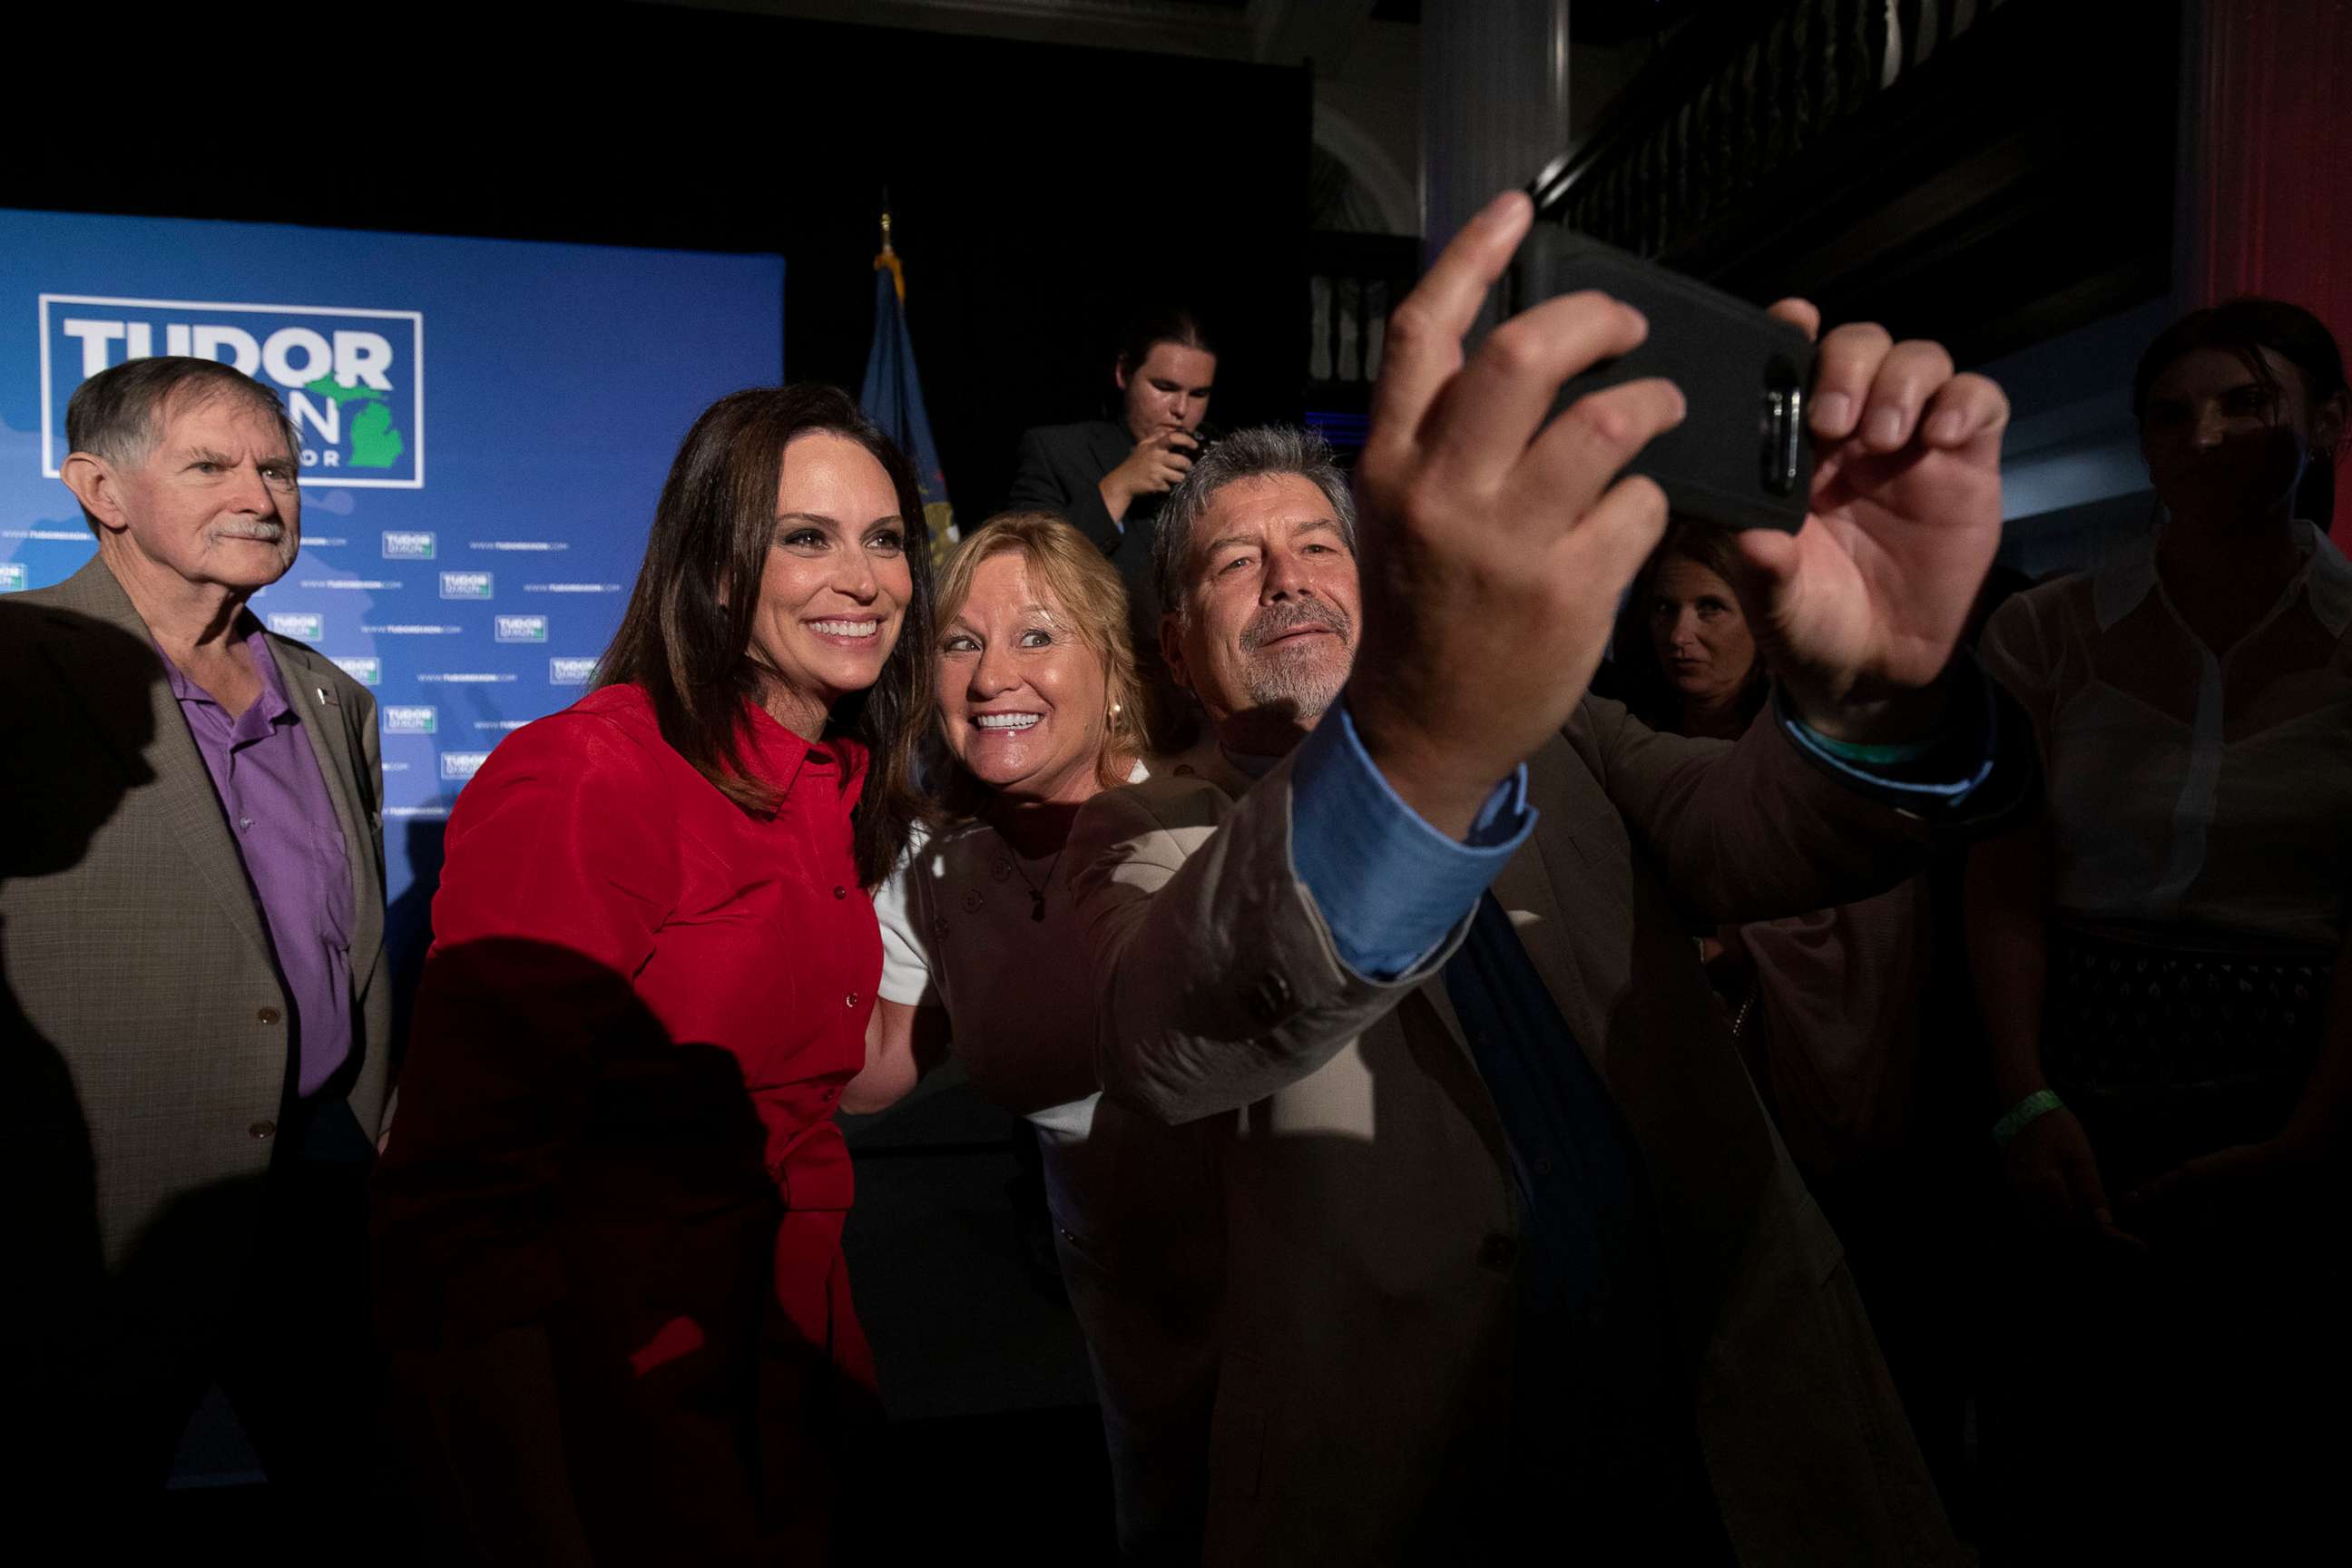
[
  {"x": 685, "y": 637},
  {"x": 2244, "y": 327},
  {"x": 1066, "y": 564}
]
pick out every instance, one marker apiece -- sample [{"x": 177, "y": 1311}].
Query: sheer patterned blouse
[{"x": 2201, "y": 790}]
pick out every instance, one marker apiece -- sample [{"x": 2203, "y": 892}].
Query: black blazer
[{"x": 1058, "y": 468}]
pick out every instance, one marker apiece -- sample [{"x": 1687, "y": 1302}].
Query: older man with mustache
[
  {"x": 1514, "y": 1254},
  {"x": 191, "y": 915}
]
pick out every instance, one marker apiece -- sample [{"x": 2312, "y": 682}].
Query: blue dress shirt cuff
[
  {"x": 1935, "y": 776},
  {"x": 1389, "y": 886}
]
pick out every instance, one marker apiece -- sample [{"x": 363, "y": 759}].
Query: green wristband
[
  {"x": 2024, "y": 1113},
  {"x": 1881, "y": 757}
]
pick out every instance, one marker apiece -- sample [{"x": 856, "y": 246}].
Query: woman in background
[
  {"x": 2154, "y": 959},
  {"x": 1833, "y": 1011},
  {"x": 1037, "y": 703},
  {"x": 609, "y": 1216},
  {"x": 1684, "y": 662}
]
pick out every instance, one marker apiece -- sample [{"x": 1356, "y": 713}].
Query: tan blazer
[
  {"x": 143, "y": 1017},
  {"x": 1370, "y": 1214}
]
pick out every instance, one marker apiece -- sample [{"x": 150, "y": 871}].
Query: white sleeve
[{"x": 906, "y": 956}]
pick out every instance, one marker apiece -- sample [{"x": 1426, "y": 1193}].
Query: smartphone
[{"x": 1742, "y": 457}]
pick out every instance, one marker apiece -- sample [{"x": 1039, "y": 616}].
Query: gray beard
[{"x": 1301, "y": 689}]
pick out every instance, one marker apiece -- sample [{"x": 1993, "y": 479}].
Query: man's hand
[
  {"x": 1155, "y": 467},
  {"x": 1858, "y": 612},
  {"x": 1494, "y": 547}
]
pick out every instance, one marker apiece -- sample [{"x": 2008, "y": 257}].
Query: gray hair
[
  {"x": 116, "y": 414},
  {"x": 1267, "y": 449}
]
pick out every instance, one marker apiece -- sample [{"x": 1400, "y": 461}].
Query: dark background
[
  {"x": 2013, "y": 184},
  {"x": 1039, "y": 194}
]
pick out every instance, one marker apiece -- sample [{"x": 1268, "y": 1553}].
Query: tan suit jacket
[
  {"x": 144, "y": 1019},
  {"x": 1371, "y": 1218}
]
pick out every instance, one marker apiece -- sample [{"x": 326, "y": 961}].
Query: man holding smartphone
[{"x": 1512, "y": 1246}]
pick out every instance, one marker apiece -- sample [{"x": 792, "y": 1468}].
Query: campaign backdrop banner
[{"x": 485, "y": 430}]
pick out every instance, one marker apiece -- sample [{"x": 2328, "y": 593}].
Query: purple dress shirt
[{"x": 283, "y": 820}]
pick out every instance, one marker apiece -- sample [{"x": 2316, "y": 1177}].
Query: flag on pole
[{"x": 893, "y": 395}]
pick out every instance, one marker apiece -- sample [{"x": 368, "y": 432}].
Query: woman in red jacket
[{"x": 609, "y": 1216}]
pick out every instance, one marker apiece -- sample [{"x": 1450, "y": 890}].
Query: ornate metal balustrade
[
  {"x": 1353, "y": 281},
  {"x": 1734, "y": 101},
  {"x": 1984, "y": 172}
]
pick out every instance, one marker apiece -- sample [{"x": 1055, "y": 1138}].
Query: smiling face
[
  {"x": 836, "y": 583},
  {"x": 1266, "y": 631},
  {"x": 214, "y": 503},
  {"x": 1169, "y": 391},
  {"x": 2222, "y": 447},
  {"x": 1023, "y": 697},
  {"x": 1700, "y": 636}
]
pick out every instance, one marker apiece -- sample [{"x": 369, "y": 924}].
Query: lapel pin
[{"x": 326, "y": 697}]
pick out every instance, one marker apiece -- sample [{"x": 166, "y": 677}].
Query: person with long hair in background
[
  {"x": 609, "y": 1215},
  {"x": 2154, "y": 957}
]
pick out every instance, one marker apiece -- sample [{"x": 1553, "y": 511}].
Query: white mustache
[{"x": 267, "y": 532}]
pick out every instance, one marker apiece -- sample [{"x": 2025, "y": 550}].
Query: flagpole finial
[{"x": 889, "y": 258}]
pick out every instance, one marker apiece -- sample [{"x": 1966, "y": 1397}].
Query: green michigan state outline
[{"x": 375, "y": 441}]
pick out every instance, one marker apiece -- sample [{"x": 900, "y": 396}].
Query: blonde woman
[{"x": 1038, "y": 704}]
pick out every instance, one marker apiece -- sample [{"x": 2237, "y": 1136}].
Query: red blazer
[{"x": 616, "y": 1117}]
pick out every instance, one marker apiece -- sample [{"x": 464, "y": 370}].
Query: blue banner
[{"x": 485, "y": 427}]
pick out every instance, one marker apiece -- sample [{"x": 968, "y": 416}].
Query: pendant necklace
[{"x": 1036, "y": 890}]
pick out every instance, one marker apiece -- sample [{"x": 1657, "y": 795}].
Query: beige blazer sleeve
[{"x": 1218, "y": 980}]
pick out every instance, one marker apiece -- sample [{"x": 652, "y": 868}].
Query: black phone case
[{"x": 1742, "y": 457}]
